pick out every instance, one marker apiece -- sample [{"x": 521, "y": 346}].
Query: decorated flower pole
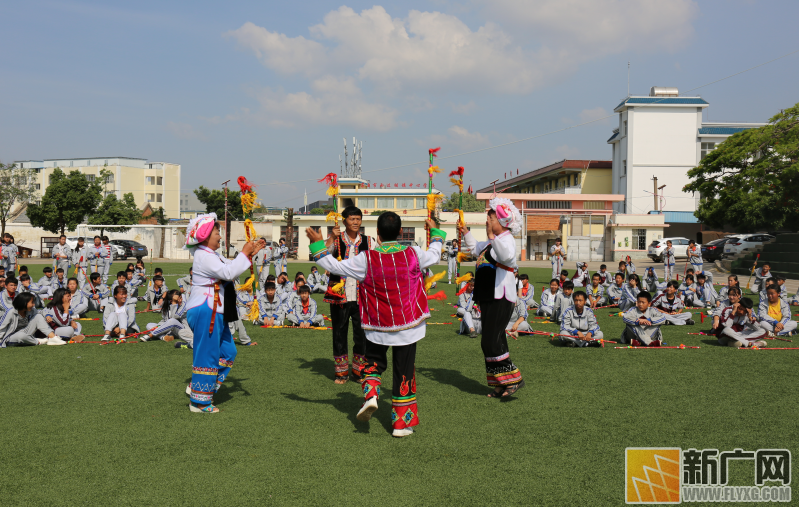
[
  {"x": 458, "y": 182},
  {"x": 331, "y": 179},
  {"x": 248, "y": 197},
  {"x": 431, "y": 197}
]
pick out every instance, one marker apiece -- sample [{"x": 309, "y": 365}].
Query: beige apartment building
[{"x": 157, "y": 183}]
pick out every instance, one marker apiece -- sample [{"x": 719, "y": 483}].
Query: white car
[
  {"x": 739, "y": 243},
  {"x": 680, "y": 245}
]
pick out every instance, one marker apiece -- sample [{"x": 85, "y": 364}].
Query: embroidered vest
[
  {"x": 330, "y": 296},
  {"x": 392, "y": 295}
]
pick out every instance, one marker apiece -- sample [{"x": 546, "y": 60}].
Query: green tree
[
  {"x": 117, "y": 212},
  {"x": 160, "y": 216},
  {"x": 751, "y": 180},
  {"x": 470, "y": 203},
  {"x": 214, "y": 201},
  {"x": 16, "y": 187},
  {"x": 68, "y": 200}
]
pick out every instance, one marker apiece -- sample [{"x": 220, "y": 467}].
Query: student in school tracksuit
[
  {"x": 595, "y": 292},
  {"x": 562, "y": 301},
  {"x": 527, "y": 292},
  {"x": 80, "y": 259},
  {"x": 671, "y": 303},
  {"x": 739, "y": 326},
  {"x": 173, "y": 321},
  {"x": 775, "y": 314},
  {"x": 548, "y": 299},
  {"x": 629, "y": 293},
  {"x": 244, "y": 301},
  {"x": 452, "y": 261},
  {"x": 518, "y": 318},
  {"x": 643, "y": 323},
  {"x": 469, "y": 312},
  {"x": 303, "y": 312},
  {"x": 668, "y": 262},
  {"x": 580, "y": 323}
]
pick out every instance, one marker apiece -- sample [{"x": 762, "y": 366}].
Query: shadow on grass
[
  {"x": 455, "y": 379},
  {"x": 345, "y": 402},
  {"x": 318, "y": 366},
  {"x": 712, "y": 342}
]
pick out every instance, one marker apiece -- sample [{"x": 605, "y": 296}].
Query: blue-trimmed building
[{"x": 663, "y": 136}]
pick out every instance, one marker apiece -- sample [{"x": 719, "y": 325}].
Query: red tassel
[
  {"x": 459, "y": 172},
  {"x": 331, "y": 179},
  {"x": 440, "y": 295},
  {"x": 702, "y": 316},
  {"x": 462, "y": 290},
  {"x": 433, "y": 151},
  {"x": 246, "y": 186}
]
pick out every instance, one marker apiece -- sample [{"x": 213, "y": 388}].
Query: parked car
[
  {"x": 714, "y": 250},
  {"x": 655, "y": 251},
  {"x": 408, "y": 242},
  {"x": 741, "y": 242},
  {"x": 130, "y": 248}
]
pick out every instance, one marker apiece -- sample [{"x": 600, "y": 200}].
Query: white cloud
[
  {"x": 458, "y": 137},
  {"x": 586, "y": 29},
  {"x": 184, "y": 131},
  {"x": 334, "y": 102},
  {"x": 467, "y": 108},
  {"x": 596, "y": 113}
]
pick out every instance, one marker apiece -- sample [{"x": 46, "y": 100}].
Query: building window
[
  {"x": 89, "y": 177},
  {"x": 639, "y": 239},
  {"x": 366, "y": 202},
  {"x": 149, "y": 197},
  {"x": 624, "y": 168},
  {"x": 707, "y": 148},
  {"x": 38, "y": 186},
  {"x": 404, "y": 202},
  {"x": 625, "y": 127},
  {"x": 70, "y": 163},
  {"x": 385, "y": 203},
  {"x": 421, "y": 202},
  {"x": 149, "y": 180},
  {"x": 159, "y": 197},
  {"x": 549, "y": 204},
  {"x": 160, "y": 180},
  {"x": 408, "y": 234},
  {"x": 577, "y": 178},
  {"x": 109, "y": 178},
  {"x": 593, "y": 204}
]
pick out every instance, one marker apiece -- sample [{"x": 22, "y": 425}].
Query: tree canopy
[
  {"x": 214, "y": 201},
  {"x": 751, "y": 181},
  {"x": 116, "y": 211},
  {"x": 68, "y": 200},
  {"x": 470, "y": 203},
  {"x": 16, "y": 187}
]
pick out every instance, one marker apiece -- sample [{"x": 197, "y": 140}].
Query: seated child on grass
[
  {"x": 580, "y": 323},
  {"x": 643, "y": 323}
]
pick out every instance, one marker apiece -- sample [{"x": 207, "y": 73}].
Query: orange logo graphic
[{"x": 652, "y": 475}]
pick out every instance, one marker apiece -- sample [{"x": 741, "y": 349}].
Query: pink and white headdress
[
  {"x": 507, "y": 214},
  {"x": 199, "y": 229}
]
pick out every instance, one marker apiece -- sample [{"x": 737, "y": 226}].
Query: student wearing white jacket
[
  {"x": 173, "y": 321},
  {"x": 18, "y": 326},
  {"x": 119, "y": 318},
  {"x": 579, "y": 322},
  {"x": 495, "y": 290},
  {"x": 59, "y": 316}
]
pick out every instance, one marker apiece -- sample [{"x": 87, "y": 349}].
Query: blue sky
[{"x": 269, "y": 89}]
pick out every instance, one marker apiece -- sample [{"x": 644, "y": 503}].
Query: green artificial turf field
[{"x": 84, "y": 424}]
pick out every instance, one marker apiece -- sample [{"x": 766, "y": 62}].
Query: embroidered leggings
[
  {"x": 213, "y": 353},
  {"x": 340, "y": 315},
  {"x": 403, "y": 388},
  {"x": 500, "y": 370}
]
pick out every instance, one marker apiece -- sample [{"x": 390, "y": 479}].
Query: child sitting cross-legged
[
  {"x": 671, "y": 304},
  {"x": 615, "y": 291},
  {"x": 548, "y": 298},
  {"x": 739, "y": 326},
  {"x": 643, "y": 323},
  {"x": 303, "y": 313},
  {"x": 579, "y": 322},
  {"x": 518, "y": 319},
  {"x": 629, "y": 293},
  {"x": 272, "y": 310},
  {"x": 775, "y": 314},
  {"x": 562, "y": 301},
  {"x": 468, "y": 312},
  {"x": 596, "y": 292}
]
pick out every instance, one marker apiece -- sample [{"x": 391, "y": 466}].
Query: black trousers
[
  {"x": 403, "y": 387},
  {"x": 340, "y": 316},
  {"x": 500, "y": 370}
]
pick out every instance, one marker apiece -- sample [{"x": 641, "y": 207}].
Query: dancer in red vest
[
  {"x": 393, "y": 309},
  {"x": 495, "y": 290}
]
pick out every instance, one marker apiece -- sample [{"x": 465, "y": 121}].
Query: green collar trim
[{"x": 390, "y": 247}]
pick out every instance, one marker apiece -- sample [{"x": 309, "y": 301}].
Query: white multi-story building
[
  {"x": 663, "y": 136},
  {"x": 157, "y": 183}
]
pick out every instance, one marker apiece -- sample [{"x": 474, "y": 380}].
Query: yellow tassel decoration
[
  {"x": 430, "y": 280},
  {"x": 249, "y": 230},
  {"x": 463, "y": 278},
  {"x": 248, "y": 284},
  {"x": 338, "y": 288},
  {"x": 462, "y": 257},
  {"x": 248, "y": 202},
  {"x": 461, "y": 220},
  {"x": 255, "y": 312},
  {"x": 432, "y": 201},
  {"x": 457, "y": 183},
  {"x": 333, "y": 217},
  {"x": 332, "y": 191},
  {"x": 432, "y": 170}
]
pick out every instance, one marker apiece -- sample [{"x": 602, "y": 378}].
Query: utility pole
[
  {"x": 655, "y": 179},
  {"x": 289, "y": 228},
  {"x": 227, "y": 224}
]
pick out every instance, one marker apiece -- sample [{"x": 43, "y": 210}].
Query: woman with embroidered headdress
[
  {"x": 212, "y": 305},
  {"x": 495, "y": 290}
]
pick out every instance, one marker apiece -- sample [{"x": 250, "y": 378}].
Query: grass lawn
[{"x": 85, "y": 424}]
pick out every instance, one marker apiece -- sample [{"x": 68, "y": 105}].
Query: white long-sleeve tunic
[
  {"x": 503, "y": 250},
  {"x": 208, "y": 268}
]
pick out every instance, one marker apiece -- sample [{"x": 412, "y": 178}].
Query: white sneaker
[
  {"x": 368, "y": 408},
  {"x": 188, "y": 389},
  {"x": 402, "y": 433},
  {"x": 106, "y": 338},
  {"x": 55, "y": 341},
  {"x": 144, "y": 337},
  {"x": 42, "y": 341}
]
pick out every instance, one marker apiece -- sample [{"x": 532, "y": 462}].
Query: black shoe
[{"x": 690, "y": 322}]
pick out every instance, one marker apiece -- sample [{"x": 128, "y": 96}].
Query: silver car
[{"x": 741, "y": 242}]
